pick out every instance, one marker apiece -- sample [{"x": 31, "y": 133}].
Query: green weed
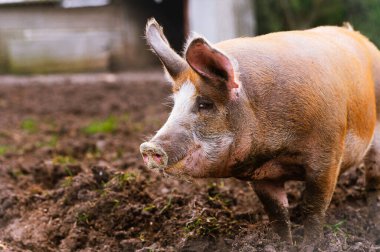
[
  {"x": 202, "y": 226},
  {"x": 217, "y": 198},
  {"x": 67, "y": 181},
  {"x": 83, "y": 218},
  {"x": 142, "y": 237},
  {"x": 149, "y": 208},
  {"x": 335, "y": 228},
  {"x": 126, "y": 177},
  {"x": 108, "y": 125},
  {"x": 167, "y": 206},
  {"x": 29, "y": 125},
  {"x": 116, "y": 203},
  {"x": 4, "y": 149},
  {"x": 63, "y": 160}
]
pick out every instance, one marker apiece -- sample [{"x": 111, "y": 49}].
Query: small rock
[
  {"x": 269, "y": 248},
  {"x": 130, "y": 244},
  {"x": 358, "y": 247}
]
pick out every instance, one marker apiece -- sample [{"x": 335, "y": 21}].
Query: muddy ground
[{"x": 71, "y": 178}]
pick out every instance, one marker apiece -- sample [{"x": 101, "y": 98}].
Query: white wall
[
  {"x": 218, "y": 20},
  {"x": 48, "y": 38}
]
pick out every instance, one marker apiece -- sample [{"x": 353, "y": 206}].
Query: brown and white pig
[{"x": 297, "y": 105}]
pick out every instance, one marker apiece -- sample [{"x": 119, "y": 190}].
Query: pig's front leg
[{"x": 273, "y": 197}]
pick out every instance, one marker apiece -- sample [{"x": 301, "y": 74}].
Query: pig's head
[{"x": 199, "y": 137}]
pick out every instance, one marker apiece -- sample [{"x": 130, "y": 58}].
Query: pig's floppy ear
[
  {"x": 211, "y": 63},
  {"x": 156, "y": 39}
]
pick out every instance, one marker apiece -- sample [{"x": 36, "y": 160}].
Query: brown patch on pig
[{"x": 187, "y": 75}]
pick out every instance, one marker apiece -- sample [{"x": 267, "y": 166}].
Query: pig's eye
[{"x": 204, "y": 104}]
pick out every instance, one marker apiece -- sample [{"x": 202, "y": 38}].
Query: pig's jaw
[
  {"x": 193, "y": 165},
  {"x": 204, "y": 160}
]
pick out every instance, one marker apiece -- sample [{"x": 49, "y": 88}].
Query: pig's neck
[
  {"x": 242, "y": 152},
  {"x": 249, "y": 151}
]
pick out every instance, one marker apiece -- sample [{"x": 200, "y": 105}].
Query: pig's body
[
  {"x": 297, "y": 105},
  {"x": 309, "y": 91}
]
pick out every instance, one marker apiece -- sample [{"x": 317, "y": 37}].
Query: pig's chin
[{"x": 195, "y": 165}]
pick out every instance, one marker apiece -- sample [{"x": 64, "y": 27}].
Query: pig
[{"x": 295, "y": 105}]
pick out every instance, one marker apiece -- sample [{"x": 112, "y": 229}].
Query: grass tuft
[
  {"x": 108, "y": 125},
  {"x": 83, "y": 218},
  {"x": 63, "y": 160},
  {"x": 202, "y": 226},
  {"x": 4, "y": 150},
  {"x": 126, "y": 177},
  {"x": 29, "y": 125},
  {"x": 337, "y": 227}
]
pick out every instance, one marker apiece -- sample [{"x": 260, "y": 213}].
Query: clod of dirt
[{"x": 100, "y": 174}]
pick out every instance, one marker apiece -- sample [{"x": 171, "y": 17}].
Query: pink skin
[
  {"x": 193, "y": 161},
  {"x": 156, "y": 158},
  {"x": 146, "y": 159},
  {"x": 198, "y": 165}
]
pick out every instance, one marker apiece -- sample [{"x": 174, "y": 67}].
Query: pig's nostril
[{"x": 157, "y": 158}]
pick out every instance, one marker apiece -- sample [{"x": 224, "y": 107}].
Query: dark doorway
[{"x": 171, "y": 14}]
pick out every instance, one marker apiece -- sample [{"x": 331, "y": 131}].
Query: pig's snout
[{"x": 154, "y": 156}]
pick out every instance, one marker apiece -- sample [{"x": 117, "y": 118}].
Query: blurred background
[
  {"x": 80, "y": 91},
  {"x": 55, "y": 36}
]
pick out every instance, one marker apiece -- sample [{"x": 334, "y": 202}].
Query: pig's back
[{"x": 317, "y": 81}]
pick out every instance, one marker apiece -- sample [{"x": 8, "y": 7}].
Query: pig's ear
[
  {"x": 211, "y": 63},
  {"x": 156, "y": 39}
]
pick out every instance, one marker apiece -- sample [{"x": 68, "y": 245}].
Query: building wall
[
  {"x": 48, "y": 38},
  {"x": 218, "y": 20}
]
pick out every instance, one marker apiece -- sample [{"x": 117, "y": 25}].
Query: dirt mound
[{"x": 71, "y": 179}]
